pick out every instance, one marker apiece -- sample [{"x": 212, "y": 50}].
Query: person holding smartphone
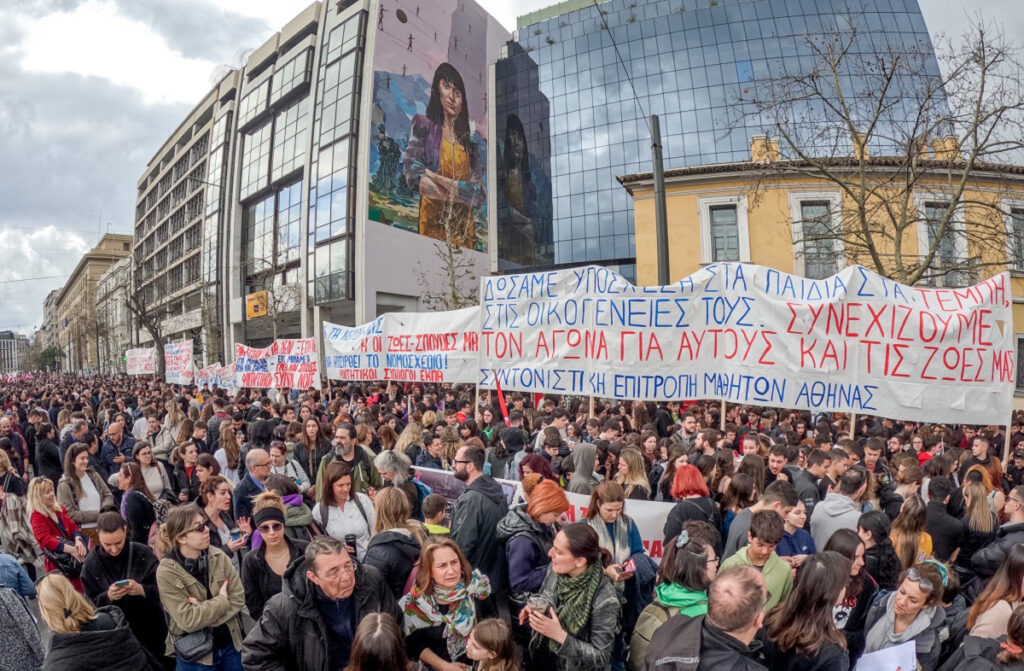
[{"x": 123, "y": 574}]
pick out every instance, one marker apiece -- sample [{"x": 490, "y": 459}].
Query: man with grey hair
[
  {"x": 722, "y": 639},
  {"x": 311, "y": 623},
  {"x": 257, "y": 463}
]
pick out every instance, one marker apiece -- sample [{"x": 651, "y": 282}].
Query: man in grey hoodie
[
  {"x": 839, "y": 510},
  {"x": 584, "y": 458}
]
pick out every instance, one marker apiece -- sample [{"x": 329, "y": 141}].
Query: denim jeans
[{"x": 224, "y": 659}]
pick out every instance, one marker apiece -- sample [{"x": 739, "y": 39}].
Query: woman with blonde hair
[
  {"x": 82, "y": 491},
  {"x": 410, "y": 441},
  {"x": 980, "y": 529},
  {"x": 86, "y": 638},
  {"x": 994, "y": 495},
  {"x": 15, "y": 527},
  {"x": 264, "y": 567},
  {"x": 54, "y": 531},
  {"x": 395, "y": 546},
  {"x": 632, "y": 475},
  {"x": 912, "y": 543}
]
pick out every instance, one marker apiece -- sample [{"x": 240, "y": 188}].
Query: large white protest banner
[
  {"x": 854, "y": 342},
  {"x": 285, "y": 363},
  {"x": 406, "y": 347},
  {"x": 178, "y": 368},
  {"x": 208, "y": 375},
  {"x": 354, "y": 352},
  {"x": 140, "y": 361}
]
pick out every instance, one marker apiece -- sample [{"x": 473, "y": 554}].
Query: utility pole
[{"x": 660, "y": 207}]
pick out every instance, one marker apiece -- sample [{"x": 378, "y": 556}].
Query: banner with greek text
[
  {"x": 226, "y": 377},
  {"x": 285, "y": 363},
  {"x": 854, "y": 342},
  {"x": 140, "y": 361},
  {"x": 406, "y": 347},
  {"x": 178, "y": 368},
  {"x": 354, "y": 352},
  {"x": 208, "y": 375}
]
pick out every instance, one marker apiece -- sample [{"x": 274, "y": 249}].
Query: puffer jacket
[
  {"x": 290, "y": 635},
  {"x": 591, "y": 648},
  {"x": 987, "y": 560},
  {"x": 526, "y": 545},
  {"x": 393, "y": 552},
  {"x": 107, "y": 643}
]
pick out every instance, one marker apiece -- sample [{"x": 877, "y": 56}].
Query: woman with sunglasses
[
  {"x": 912, "y": 613},
  {"x": 262, "y": 568},
  {"x": 199, "y": 590}
]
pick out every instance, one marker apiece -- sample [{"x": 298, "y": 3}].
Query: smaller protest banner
[
  {"x": 353, "y": 352},
  {"x": 178, "y": 368},
  {"x": 285, "y": 363},
  {"x": 141, "y": 361},
  {"x": 208, "y": 375}
]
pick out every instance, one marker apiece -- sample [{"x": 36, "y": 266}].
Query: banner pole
[
  {"x": 721, "y": 417},
  {"x": 590, "y": 412},
  {"x": 476, "y": 406},
  {"x": 1006, "y": 439},
  {"x": 853, "y": 425}
]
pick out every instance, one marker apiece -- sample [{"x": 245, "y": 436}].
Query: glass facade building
[{"x": 574, "y": 92}]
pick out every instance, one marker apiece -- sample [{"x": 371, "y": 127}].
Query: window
[
  {"x": 271, "y": 233},
  {"x": 1014, "y": 235},
  {"x": 291, "y": 75},
  {"x": 343, "y": 38},
  {"x": 1020, "y": 366},
  {"x": 253, "y": 103},
  {"x": 950, "y": 250},
  {"x": 817, "y": 243},
  {"x": 338, "y": 96},
  {"x": 723, "y": 228},
  {"x": 291, "y": 138},
  {"x": 255, "y": 160}
]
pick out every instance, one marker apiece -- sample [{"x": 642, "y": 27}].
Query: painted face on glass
[{"x": 451, "y": 98}]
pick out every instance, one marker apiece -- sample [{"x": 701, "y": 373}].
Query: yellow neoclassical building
[{"x": 789, "y": 216}]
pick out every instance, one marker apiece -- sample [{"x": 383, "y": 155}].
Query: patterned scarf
[
  {"x": 421, "y": 611},
  {"x": 575, "y": 599}
]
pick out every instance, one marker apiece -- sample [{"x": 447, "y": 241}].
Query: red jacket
[{"x": 49, "y": 536}]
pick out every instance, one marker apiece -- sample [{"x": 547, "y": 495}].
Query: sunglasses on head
[{"x": 925, "y": 583}]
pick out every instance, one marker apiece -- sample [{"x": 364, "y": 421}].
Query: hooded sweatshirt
[
  {"x": 526, "y": 545},
  {"x": 584, "y": 456},
  {"x": 393, "y": 553},
  {"x": 837, "y": 511}
]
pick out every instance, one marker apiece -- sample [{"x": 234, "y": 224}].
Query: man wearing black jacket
[
  {"x": 476, "y": 515},
  {"x": 312, "y": 623},
  {"x": 988, "y": 559},
  {"x": 725, "y": 636}
]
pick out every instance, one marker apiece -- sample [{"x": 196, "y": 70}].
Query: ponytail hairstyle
[
  {"x": 64, "y": 609},
  {"x": 179, "y": 520},
  {"x": 1015, "y": 637}
]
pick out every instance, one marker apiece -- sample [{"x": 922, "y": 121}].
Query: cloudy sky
[{"x": 91, "y": 88}]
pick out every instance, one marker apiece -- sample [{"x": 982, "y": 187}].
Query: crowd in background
[{"x": 165, "y": 527}]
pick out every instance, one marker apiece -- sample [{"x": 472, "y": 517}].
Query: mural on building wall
[{"x": 428, "y": 155}]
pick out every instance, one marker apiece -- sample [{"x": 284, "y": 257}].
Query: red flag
[
  {"x": 537, "y": 398},
  {"x": 501, "y": 401}
]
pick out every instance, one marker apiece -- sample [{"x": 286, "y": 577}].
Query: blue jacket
[
  {"x": 796, "y": 543},
  {"x": 13, "y": 575}
]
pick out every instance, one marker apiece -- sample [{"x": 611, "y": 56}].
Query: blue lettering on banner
[
  {"x": 741, "y": 388},
  {"x": 827, "y": 395}
]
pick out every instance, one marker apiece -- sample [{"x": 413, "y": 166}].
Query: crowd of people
[{"x": 161, "y": 527}]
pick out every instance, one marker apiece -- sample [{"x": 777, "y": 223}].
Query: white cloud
[
  {"x": 47, "y": 252},
  {"x": 95, "y": 39}
]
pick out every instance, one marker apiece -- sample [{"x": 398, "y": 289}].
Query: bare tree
[
  {"x": 902, "y": 141},
  {"x": 451, "y": 283},
  {"x": 149, "y": 316}
]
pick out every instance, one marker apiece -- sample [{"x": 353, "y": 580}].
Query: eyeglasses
[
  {"x": 266, "y": 465},
  {"x": 199, "y": 528},
  {"x": 460, "y": 461},
  {"x": 914, "y": 576},
  {"x": 1010, "y": 498},
  {"x": 714, "y": 560},
  {"x": 270, "y": 526}
]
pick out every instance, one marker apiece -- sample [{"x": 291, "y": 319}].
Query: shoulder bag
[{"x": 66, "y": 564}]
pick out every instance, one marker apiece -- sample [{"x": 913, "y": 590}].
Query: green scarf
[
  {"x": 689, "y": 602},
  {"x": 575, "y": 599}
]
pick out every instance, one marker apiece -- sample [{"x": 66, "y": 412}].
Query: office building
[
  {"x": 576, "y": 88},
  {"x": 319, "y": 181},
  {"x": 14, "y": 349}
]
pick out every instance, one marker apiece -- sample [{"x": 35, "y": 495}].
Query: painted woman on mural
[{"x": 443, "y": 164}]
